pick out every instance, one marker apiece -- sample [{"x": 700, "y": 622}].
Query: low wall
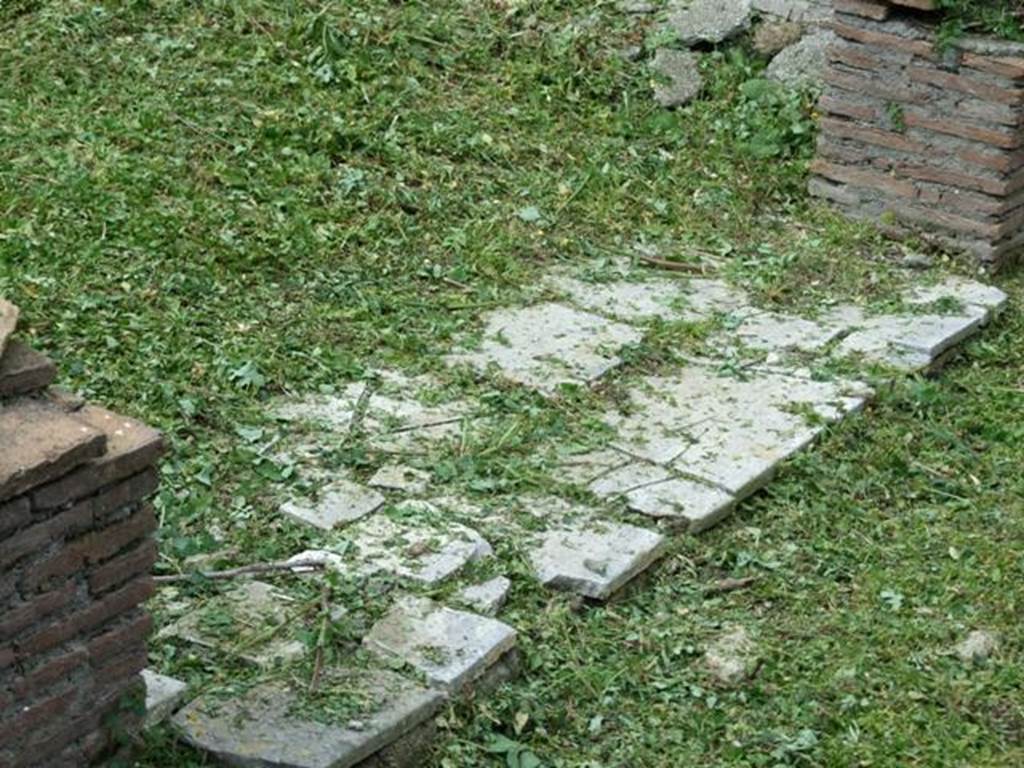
[
  {"x": 921, "y": 139},
  {"x": 75, "y": 558}
]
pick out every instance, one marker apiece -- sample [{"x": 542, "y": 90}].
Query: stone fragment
[
  {"x": 8, "y": 322},
  {"x": 40, "y": 443},
  {"x": 625, "y": 300},
  {"x": 678, "y": 79},
  {"x": 770, "y": 37},
  {"x": 339, "y": 502},
  {"x": 163, "y": 695},
  {"x": 23, "y": 370},
  {"x": 706, "y": 298},
  {"x": 710, "y": 21},
  {"x": 803, "y": 63},
  {"x": 803, "y": 11},
  {"x": 977, "y": 646},
  {"x": 683, "y": 502},
  {"x": 584, "y": 468},
  {"x": 547, "y": 345},
  {"x": 773, "y": 331},
  {"x": 273, "y": 726},
  {"x": 731, "y": 658},
  {"x": 396, "y": 477},
  {"x": 595, "y": 559},
  {"x": 727, "y": 431},
  {"x": 623, "y": 479},
  {"x": 131, "y": 448},
  {"x": 452, "y": 648},
  {"x": 240, "y": 621},
  {"x": 487, "y": 597},
  {"x": 974, "y": 298},
  {"x": 907, "y": 342}
]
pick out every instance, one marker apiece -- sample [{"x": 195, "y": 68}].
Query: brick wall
[
  {"x": 75, "y": 556},
  {"x": 923, "y": 140}
]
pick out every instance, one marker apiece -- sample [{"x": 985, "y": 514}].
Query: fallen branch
[
  {"x": 729, "y": 585},
  {"x": 286, "y": 566},
  {"x": 673, "y": 266}
]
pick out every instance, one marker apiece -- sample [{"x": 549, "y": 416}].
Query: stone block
[
  {"x": 340, "y": 502},
  {"x": 163, "y": 695},
  {"x": 23, "y": 370}
]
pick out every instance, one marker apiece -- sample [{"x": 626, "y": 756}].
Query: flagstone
[
  {"x": 547, "y": 345},
  {"x": 487, "y": 597},
  {"x": 451, "y": 648},
  {"x": 908, "y": 342},
  {"x": 686, "y": 503},
  {"x": 397, "y": 477},
  {"x": 272, "y": 726},
  {"x": 770, "y": 331},
  {"x": 595, "y": 559},
  {"x": 976, "y": 299},
  {"x": 339, "y": 502}
]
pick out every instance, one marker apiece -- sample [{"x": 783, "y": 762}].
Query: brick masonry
[
  {"x": 920, "y": 139},
  {"x": 76, "y": 551}
]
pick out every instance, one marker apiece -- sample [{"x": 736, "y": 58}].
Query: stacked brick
[
  {"x": 76, "y": 552},
  {"x": 923, "y": 138}
]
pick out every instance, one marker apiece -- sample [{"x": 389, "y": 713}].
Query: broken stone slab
[
  {"x": 8, "y": 323},
  {"x": 803, "y": 11},
  {"x": 404, "y": 548},
  {"x": 710, "y": 21},
  {"x": 41, "y": 442},
  {"x": 732, "y": 657},
  {"x": 163, "y": 695},
  {"x": 396, "y": 477},
  {"x": 451, "y": 648},
  {"x": 547, "y": 345},
  {"x": 595, "y": 559},
  {"x": 487, "y": 597},
  {"x": 274, "y": 726},
  {"x": 727, "y": 431},
  {"x": 973, "y": 298},
  {"x": 683, "y": 503},
  {"x": 247, "y": 620},
  {"x": 23, "y": 370},
  {"x": 679, "y": 80},
  {"x": 907, "y": 342},
  {"x": 774, "y": 331},
  {"x": 584, "y": 468},
  {"x": 803, "y": 63},
  {"x": 770, "y": 37},
  {"x": 340, "y": 502}
]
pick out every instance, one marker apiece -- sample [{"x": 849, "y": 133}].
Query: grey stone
[
  {"x": 452, "y": 648},
  {"x": 404, "y": 548},
  {"x": 804, "y": 11},
  {"x": 163, "y": 695},
  {"x": 773, "y": 331},
  {"x": 731, "y": 658},
  {"x": 23, "y": 370},
  {"x": 546, "y": 345},
  {"x": 339, "y": 502},
  {"x": 8, "y": 322},
  {"x": 803, "y": 63},
  {"x": 976, "y": 299},
  {"x": 486, "y": 598},
  {"x": 908, "y": 342},
  {"x": 682, "y": 502},
  {"x": 678, "y": 80},
  {"x": 401, "y": 478},
  {"x": 977, "y": 646},
  {"x": 238, "y": 621},
  {"x": 584, "y": 468},
  {"x": 595, "y": 559},
  {"x": 710, "y": 21},
  {"x": 727, "y": 431},
  {"x": 265, "y": 727},
  {"x": 707, "y": 297}
]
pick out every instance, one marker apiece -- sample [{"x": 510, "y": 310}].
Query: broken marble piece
[
  {"x": 163, "y": 695},
  {"x": 710, "y": 21},
  {"x": 396, "y": 477},
  {"x": 907, "y": 342},
  {"x": 682, "y": 502},
  {"x": 274, "y": 726},
  {"x": 451, "y": 648},
  {"x": 249, "y": 620},
  {"x": 486, "y": 597},
  {"x": 583, "y": 468},
  {"x": 595, "y": 559},
  {"x": 974, "y": 298},
  {"x": 724, "y": 430},
  {"x": 8, "y": 323},
  {"x": 774, "y": 331},
  {"x": 732, "y": 657},
  {"x": 678, "y": 78},
  {"x": 340, "y": 502},
  {"x": 547, "y": 345}
]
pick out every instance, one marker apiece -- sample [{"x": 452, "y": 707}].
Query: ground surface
[{"x": 202, "y": 208}]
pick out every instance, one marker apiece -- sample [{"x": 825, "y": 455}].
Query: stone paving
[{"x": 680, "y": 447}]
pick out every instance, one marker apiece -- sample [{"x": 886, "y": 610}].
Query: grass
[{"x": 206, "y": 205}]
